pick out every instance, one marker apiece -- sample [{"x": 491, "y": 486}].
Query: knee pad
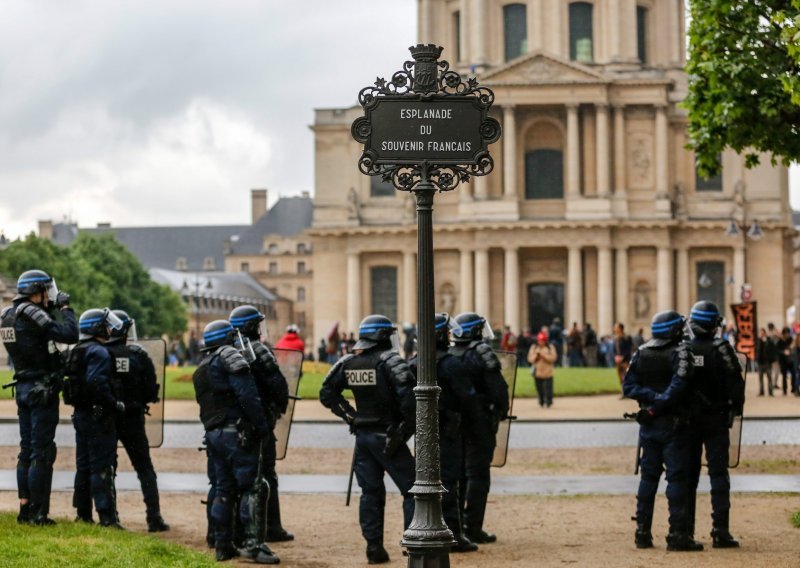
[{"x": 221, "y": 510}]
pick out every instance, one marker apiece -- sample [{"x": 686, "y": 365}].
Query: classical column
[
  {"x": 466, "y": 302},
  {"x": 603, "y": 155},
  {"x": 739, "y": 276},
  {"x": 622, "y": 289},
  {"x": 554, "y": 8},
  {"x": 662, "y": 152},
  {"x": 478, "y": 56},
  {"x": 482, "y": 282},
  {"x": 464, "y": 33},
  {"x": 628, "y": 22},
  {"x": 409, "y": 287},
  {"x": 675, "y": 13},
  {"x": 512, "y": 289},
  {"x": 614, "y": 14},
  {"x": 605, "y": 290},
  {"x": 573, "y": 152},
  {"x": 664, "y": 299},
  {"x": 619, "y": 150},
  {"x": 509, "y": 153},
  {"x": 353, "y": 290},
  {"x": 574, "y": 286},
  {"x": 480, "y": 189},
  {"x": 536, "y": 39},
  {"x": 683, "y": 290},
  {"x": 425, "y": 21}
]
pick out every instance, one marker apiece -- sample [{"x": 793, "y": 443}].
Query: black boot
[
  {"x": 226, "y": 552},
  {"x": 480, "y": 536},
  {"x": 155, "y": 523},
  {"x": 463, "y": 544},
  {"x": 109, "y": 519},
  {"x": 259, "y": 553},
  {"x": 376, "y": 554},
  {"x": 644, "y": 537},
  {"x": 722, "y": 538},
  {"x": 84, "y": 516},
  {"x": 24, "y": 515},
  {"x": 278, "y": 534},
  {"x": 37, "y": 515},
  {"x": 682, "y": 542}
]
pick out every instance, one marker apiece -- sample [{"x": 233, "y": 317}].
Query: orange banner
[{"x": 744, "y": 317}]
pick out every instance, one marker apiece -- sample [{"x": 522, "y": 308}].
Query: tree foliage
[
  {"x": 98, "y": 271},
  {"x": 744, "y": 80}
]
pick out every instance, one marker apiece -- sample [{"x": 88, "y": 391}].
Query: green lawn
[
  {"x": 568, "y": 382},
  {"x": 78, "y": 544}
]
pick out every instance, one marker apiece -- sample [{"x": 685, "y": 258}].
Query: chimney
[
  {"x": 46, "y": 230},
  {"x": 258, "y": 203},
  {"x": 104, "y": 226},
  {"x": 305, "y": 194}
]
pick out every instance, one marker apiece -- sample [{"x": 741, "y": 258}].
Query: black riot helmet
[
  {"x": 218, "y": 333},
  {"x": 471, "y": 327},
  {"x": 33, "y": 282},
  {"x": 98, "y": 322},
  {"x": 667, "y": 325},
  {"x": 704, "y": 319},
  {"x": 247, "y": 319},
  {"x": 377, "y": 330},
  {"x": 442, "y": 330},
  {"x": 128, "y": 330}
]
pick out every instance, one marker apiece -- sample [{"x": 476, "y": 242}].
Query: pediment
[{"x": 542, "y": 68}]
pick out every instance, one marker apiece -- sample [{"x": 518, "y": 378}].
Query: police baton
[
  {"x": 10, "y": 385},
  {"x": 350, "y": 480},
  {"x": 633, "y": 416}
]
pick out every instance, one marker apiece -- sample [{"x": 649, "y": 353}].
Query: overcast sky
[{"x": 169, "y": 112}]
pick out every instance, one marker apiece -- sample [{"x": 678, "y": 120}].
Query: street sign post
[{"x": 426, "y": 130}]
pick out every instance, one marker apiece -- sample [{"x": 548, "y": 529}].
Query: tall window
[
  {"x": 301, "y": 248},
  {"x": 641, "y": 32},
  {"x": 457, "y": 33},
  {"x": 544, "y": 174},
  {"x": 711, "y": 282},
  {"x": 301, "y": 294},
  {"x": 245, "y": 267},
  {"x": 273, "y": 267},
  {"x": 713, "y": 183},
  {"x": 515, "y": 30},
  {"x": 301, "y": 267},
  {"x": 380, "y": 188},
  {"x": 580, "y": 32},
  {"x": 383, "y": 286},
  {"x": 545, "y": 303}
]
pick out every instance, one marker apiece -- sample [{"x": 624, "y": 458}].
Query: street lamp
[{"x": 196, "y": 283}]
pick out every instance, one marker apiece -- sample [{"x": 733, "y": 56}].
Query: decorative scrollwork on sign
[{"x": 432, "y": 143}]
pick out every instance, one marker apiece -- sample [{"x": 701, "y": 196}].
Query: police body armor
[
  {"x": 129, "y": 377},
  {"x": 215, "y": 399},
  {"x": 711, "y": 390},
  {"x": 375, "y": 405},
  {"x": 274, "y": 391},
  {"x": 22, "y": 332},
  {"x": 76, "y": 392},
  {"x": 656, "y": 367},
  {"x": 449, "y": 405}
]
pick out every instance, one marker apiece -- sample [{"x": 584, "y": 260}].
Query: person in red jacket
[{"x": 291, "y": 340}]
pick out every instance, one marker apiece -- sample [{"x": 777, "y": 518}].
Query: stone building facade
[{"x": 594, "y": 212}]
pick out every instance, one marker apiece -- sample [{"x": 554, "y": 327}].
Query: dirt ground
[{"x": 532, "y": 531}]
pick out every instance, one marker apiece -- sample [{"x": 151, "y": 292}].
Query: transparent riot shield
[
  {"x": 508, "y": 368},
  {"x": 736, "y": 424},
  {"x": 154, "y": 419},
  {"x": 291, "y": 364}
]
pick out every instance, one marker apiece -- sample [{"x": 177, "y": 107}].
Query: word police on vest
[
  {"x": 361, "y": 377},
  {"x": 123, "y": 365}
]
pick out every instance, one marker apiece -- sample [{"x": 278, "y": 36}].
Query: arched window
[
  {"x": 641, "y": 33},
  {"x": 581, "y": 36},
  {"x": 515, "y": 30},
  {"x": 544, "y": 174}
]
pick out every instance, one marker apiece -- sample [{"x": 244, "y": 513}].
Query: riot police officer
[
  {"x": 658, "y": 379},
  {"x": 717, "y": 396},
  {"x": 274, "y": 392},
  {"x": 481, "y": 367},
  {"x": 458, "y": 405},
  {"x": 90, "y": 390},
  {"x": 233, "y": 417},
  {"x": 39, "y": 317},
  {"x": 383, "y": 420},
  {"x": 135, "y": 379}
]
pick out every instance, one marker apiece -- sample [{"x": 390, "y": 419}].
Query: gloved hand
[
  {"x": 62, "y": 300},
  {"x": 351, "y": 422},
  {"x": 120, "y": 407},
  {"x": 645, "y": 416}
]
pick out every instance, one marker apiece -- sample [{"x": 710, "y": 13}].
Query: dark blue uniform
[
  {"x": 717, "y": 394},
  {"x": 382, "y": 386},
  {"x": 28, "y": 334},
  {"x": 135, "y": 379},
  {"x": 227, "y": 394},
  {"x": 658, "y": 379},
  {"x": 458, "y": 405},
  {"x": 95, "y": 429},
  {"x": 479, "y": 366}
]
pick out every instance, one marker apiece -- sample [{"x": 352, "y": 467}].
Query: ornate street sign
[{"x": 426, "y": 115}]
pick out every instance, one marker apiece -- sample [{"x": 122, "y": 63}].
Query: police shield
[
  {"x": 508, "y": 368},
  {"x": 736, "y": 423},
  {"x": 154, "y": 419},
  {"x": 291, "y": 364}
]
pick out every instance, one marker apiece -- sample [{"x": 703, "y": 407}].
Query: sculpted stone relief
[
  {"x": 642, "y": 305},
  {"x": 447, "y": 298},
  {"x": 640, "y": 160}
]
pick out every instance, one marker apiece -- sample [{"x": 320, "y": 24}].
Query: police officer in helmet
[
  {"x": 481, "y": 368},
  {"x": 658, "y": 378},
  {"x": 274, "y": 392},
  {"x": 38, "y": 318},
  {"x": 383, "y": 420},
  {"x": 89, "y": 388},
  {"x": 458, "y": 406},
  {"x": 717, "y": 396},
  {"x": 233, "y": 417},
  {"x": 135, "y": 379}
]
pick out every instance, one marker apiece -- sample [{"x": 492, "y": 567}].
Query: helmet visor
[
  {"x": 488, "y": 333},
  {"x": 112, "y": 321},
  {"x": 395, "y": 340},
  {"x": 52, "y": 290},
  {"x": 132, "y": 335},
  {"x": 455, "y": 328},
  {"x": 245, "y": 347},
  {"x": 262, "y": 330}
]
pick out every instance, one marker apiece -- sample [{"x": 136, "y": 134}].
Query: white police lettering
[
  {"x": 123, "y": 365},
  {"x": 698, "y": 361},
  {"x": 361, "y": 378},
  {"x": 8, "y": 335}
]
